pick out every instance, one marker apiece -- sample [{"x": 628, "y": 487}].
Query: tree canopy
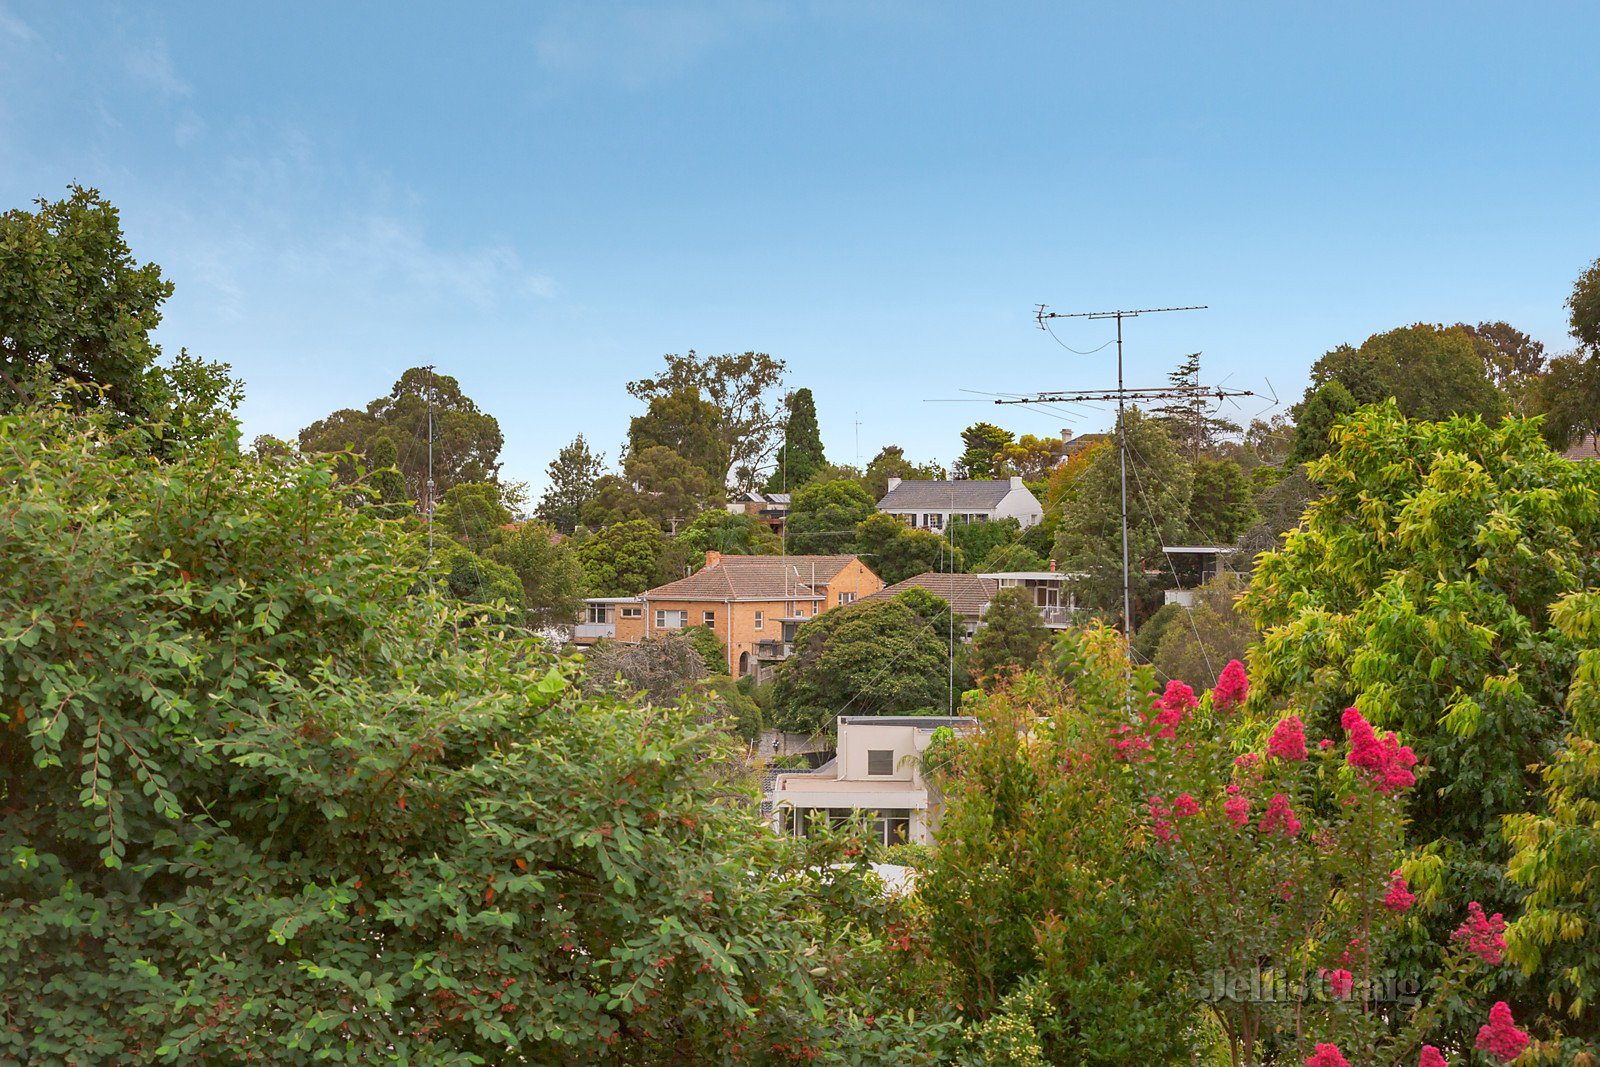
[
  {"x": 891, "y": 462},
  {"x": 466, "y": 441},
  {"x": 548, "y": 568},
  {"x": 1432, "y": 372},
  {"x": 800, "y": 456},
  {"x": 741, "y": 387},
  {"x": 686, "y": 425},
  {"x": 1012, "y": 637},
  {"x": 623, "y": 560},
  {"x": 262, "y": 803},
  {"x": 983, "y": 450},
  {"x": 572, "y": 475},
  {"x": 76, "y": 314},
  {"x": 823, "y": 516},
  {"x": 896, "y": 552}
]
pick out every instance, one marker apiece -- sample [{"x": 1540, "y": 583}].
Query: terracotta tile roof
[
  {"x": 967, "y": 594},
  {"x": 756, "y": 578},
  {"x": 1588, "y": 448}
]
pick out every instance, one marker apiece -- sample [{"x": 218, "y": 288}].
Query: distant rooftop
[
  {"x": 756, "y": 578},
  {"x": 967, "y": 594},
  {"x": 1587, "y": 448},
  {"x": 968, "y": 494},
  {"x": 928, "y": 722}
]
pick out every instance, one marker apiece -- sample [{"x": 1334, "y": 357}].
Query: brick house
[
  {"x": 752, "y": 603},
  {"x": 934, "y": 505}
]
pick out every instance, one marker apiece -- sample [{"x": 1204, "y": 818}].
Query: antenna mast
[
  {"x": 429, "y": 369},
  {"x": 1121, "y": 395}
]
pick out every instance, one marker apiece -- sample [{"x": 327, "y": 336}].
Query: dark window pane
[{"x": 880, "y": 761}]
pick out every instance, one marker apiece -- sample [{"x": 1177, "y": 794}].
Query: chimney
[
  {"x": 713, "y": 558},
  {"x": 1016, "y": 481},
  {"x": 894, "y": 483},
  {"x": 1052, "y": 566},
  {"x": 1066, "y": 435}
]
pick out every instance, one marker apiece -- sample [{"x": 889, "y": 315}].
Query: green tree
[
  {"x": 983, "y": 446},
  {"x": 742, "y": 387},
  {"x": 1512, "y": 359},
  {"x": 385, "y": 483},
  {"x": 473, "y": 579},
  {"x": 548, "y": 568},
  {"x": 473, "y": 513},
  {"x": 280, "y": 812},
  {"x": 712, "y": 651},
  {"x": 671, "y": 490},
  {"x": 877, "y": 657},
  {"x": 466, "y": 441},
  {"x": 613, "y": 500},
  {"x": 76, "y": 315},
  {"x": 1584, "y": 307},
  {"x": 896, "y": 552},
  {"x": 719, "y": 530},
  {"x": 1201, "y": 639},
  {"x": 1012, "y": 637},
  {"x": 1012, "y": 557},
  {"x": 891, "y": 462},
  {"x": 1568, "y": 396},
  {"x": 688, "y": 426},
  {"x": 1220, "y": 501},
  {"x": 975, "y": 540},
  {"x": 800, "y": 456},
  {"x": 1090, "y": 536},
  {"x": 1189, "y": 418},
  {"x": 1420, "y": 589},
  {"x": 572, "y": 475},
  {"x": 1030, "y": 458},
  {"x": 823, "y": 517},
  {"x": 622, "y": 560},
  {"x": 1432, "y": 372},
  {"x": 1315, "y": 419}
]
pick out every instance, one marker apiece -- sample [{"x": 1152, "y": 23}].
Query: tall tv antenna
[
  {"x": 428, "y": 496},
  {"x": 1042, "y": 314}
]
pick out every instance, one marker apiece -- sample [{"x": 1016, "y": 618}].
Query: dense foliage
[{"x": 263, "y": 805}]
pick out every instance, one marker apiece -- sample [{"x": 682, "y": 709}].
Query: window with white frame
[
  {"x": 847, "y": 598},
  {"x": 934, "y": 520},
  {"x": 632, "y": 613},
  {"x": 709, "y": 618},
  {"x": 761, "y": 619},
  {"x": 671, "y": 620}
]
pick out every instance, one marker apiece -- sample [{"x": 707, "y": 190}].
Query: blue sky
[{"x": 543, "y": 199}]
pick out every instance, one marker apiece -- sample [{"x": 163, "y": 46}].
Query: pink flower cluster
[
  {"x": 1236, "y": 807},
  {"x": 1172, "y": 707},
  {"x": 1483, "y": 934},
  {"x": 1327, "y": 1056},
  {"x": 1340, "y": 983},
  {"x": 1185, "y": 805},
  {"x": 1387, "y": 760},
  {"x": 1431, "y": 1058},
  {"x": 1279, "y": 817},
  {"x": 1158, "y": 820},
  {"x": 1501, "y": 1038},
  {"x": 1288, "y": 741},
  {"x": 1400, "y": 897},
  {"x": 1233, "y": 687}
]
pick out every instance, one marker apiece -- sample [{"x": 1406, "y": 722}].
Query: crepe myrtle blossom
[
  {"x": 1279, "y": 817},
  {"x": 1232, "y": 689},
  {"x": 1386, "y": 760},
  {"x": 1288, "y": 741},
  {"x": 1400, "y": 897},
  {"x": 1482, "y": 934},
  {"x": 1327, "y": 1055},
  {"x": 1431, "y": 1058},
  {"x": 1501, "y": 1038}
]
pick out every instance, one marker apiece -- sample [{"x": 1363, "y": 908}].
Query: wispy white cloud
[
  {"x": 152, "y": 66},
  {"x": 641, "y": 44},
  {"x": 15, "y": 29}
]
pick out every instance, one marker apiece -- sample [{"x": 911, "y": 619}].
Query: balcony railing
[
  {"x": 593, "y": 631},
  {"x": 1057, "y": 616},
  {"x": 774, "y": 649}
]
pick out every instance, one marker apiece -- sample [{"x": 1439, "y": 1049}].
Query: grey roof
[
  {"x": 970, "y": 494},
  {"x": 931, "y": 722}
]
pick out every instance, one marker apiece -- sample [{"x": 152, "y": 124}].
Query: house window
[
  {"x": 934, "y": 520},
  {"x": 847, "y": 598},
  {"x": 709, "y": 618},
  {"x": 671, "y": 620},
  {"x": 880, "y": 761},
  {"x": 598, "y": 613},
  {"x": 761, "y": 619},
  {"x": 891, "y": 826},
  {"x": 632, "y": 613}
]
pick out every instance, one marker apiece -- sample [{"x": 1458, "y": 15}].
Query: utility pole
[
  {"x": 429, "y": 494},
  {"x": 1121, "y": 395}
]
